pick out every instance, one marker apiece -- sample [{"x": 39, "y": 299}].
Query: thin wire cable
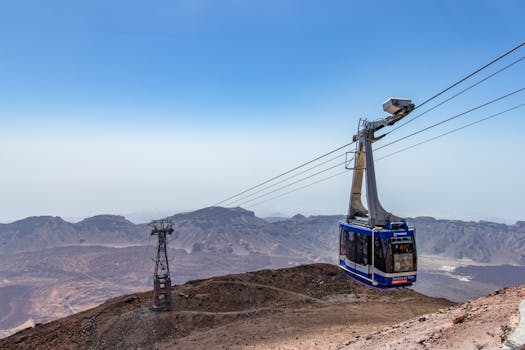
[
  {"x": 293, "y": 183},
  {"x": 285, "y": 173},
  {"x": 472, "y": 74},
  {"x": 451, "y": 118},
  {"x": 393, "y": 153},
  {"x": 456, "y": 95},
  {"x": 388, "y": 144},
  {"x": 451, "y": 131},
  {"x": 300, "y": 188},
  {"x": 285, "y": 180},
  {"x": 348, "y": 144}
]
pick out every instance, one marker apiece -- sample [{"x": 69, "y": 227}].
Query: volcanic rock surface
[
  {"x": 50, "y": 268},
  {"x": 484, "y": 323},
  {"x": 238, "y": 231},
  {"x": 309, "y": 306}
]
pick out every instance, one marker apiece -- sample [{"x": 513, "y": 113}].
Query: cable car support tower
[{"x": 161, "y": 278}]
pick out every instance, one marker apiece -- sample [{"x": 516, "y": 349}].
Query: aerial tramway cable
[
  {"x": 386, "y": 156},
  {"x": 285, "y": 173},
  {"x": 295, "y": 182},
  {"x": 471, "y": 74},
  {"x": 451, "y": 131},
  {"x": 383, "y": 146},
  {"x": 300, "y": 188},
  {"x": 455, "y": 95},
  {"x": 286, "y": 179},
  {"x": 410, "y": 120},
  {"x": 453, "y": 117}
]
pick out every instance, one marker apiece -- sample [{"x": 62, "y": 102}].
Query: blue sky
[{"x": 130, "y": 106}]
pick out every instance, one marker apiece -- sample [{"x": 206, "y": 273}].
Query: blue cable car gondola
[
  {"x": 377, "y": 256},
  {"x": 376, "y": 247}
]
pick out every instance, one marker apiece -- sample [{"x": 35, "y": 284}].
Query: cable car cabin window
[
  {"x": 387, "y": 250},
  {"x": 363, "y": 250},
  {"x": 350, "y": 248},
  {"x": 403, "y": 256},
  {"x": 343, "y": 241},
  {"x": 379, "y": 256},
  {"x": 347, "y": 244}
]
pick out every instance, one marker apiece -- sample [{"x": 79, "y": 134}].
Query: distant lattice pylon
[{"x": 161, "y": 277}]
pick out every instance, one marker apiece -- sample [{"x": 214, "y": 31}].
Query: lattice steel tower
[{"x": 161, "y": 278}]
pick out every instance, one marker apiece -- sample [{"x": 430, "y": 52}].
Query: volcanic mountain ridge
[
  {"x": 309, "y": 306},
  {"x": 238, "y": 231}
]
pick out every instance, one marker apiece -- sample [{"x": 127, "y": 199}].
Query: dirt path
[
  {"x": 305, "y": 307},
  {"x": 258, "y": 285}
]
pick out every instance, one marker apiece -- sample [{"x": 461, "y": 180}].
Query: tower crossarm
[{"x": 399, "y": 107}]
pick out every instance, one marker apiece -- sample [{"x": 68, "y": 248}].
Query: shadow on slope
[{"x": 286, "y": 307}]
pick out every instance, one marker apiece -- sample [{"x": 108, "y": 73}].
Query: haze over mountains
[
  {"x": 51, "y": 268},
  {"x": 482, "y": 241},
  {"x": 40, "y": 232},
  {"x": 238, "y": 231}
]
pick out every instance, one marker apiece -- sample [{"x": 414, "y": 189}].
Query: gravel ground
[
  {"x": 305, "y": 307},
  {"x": 484, "y": 323}
]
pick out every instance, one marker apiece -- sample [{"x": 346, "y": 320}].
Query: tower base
[{"x": 161, "y": 294}]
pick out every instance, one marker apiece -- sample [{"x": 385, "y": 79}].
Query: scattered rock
[
  {"x": 459, "y": 319},
  {"x": 282, "y": 309}
]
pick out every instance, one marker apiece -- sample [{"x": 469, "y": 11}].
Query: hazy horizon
[
  {"x": 111, "y": 107},
  {"x": 145, "y": 216}
]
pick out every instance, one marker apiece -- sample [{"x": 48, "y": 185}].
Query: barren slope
[
  {"x": 310, "y": 306},
  {"x": 484, "y": 323}
]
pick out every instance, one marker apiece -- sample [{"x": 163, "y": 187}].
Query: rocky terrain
[
  {"x": 484, "y": 323},
  {"x": 214, "y": 230},
  {"x": 41, "y": 232},
  {"x": 50, "y": 268},
  {"x": 483, "y": 241},
  {"x": 40, "y": 286},
  {"x": 238, "y": 231},
  {"x": 311, "y": 306}
]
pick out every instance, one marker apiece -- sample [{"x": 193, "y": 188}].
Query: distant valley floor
[
  {"x": 305, "y": 307},
  {"x": 38, "y": 287},
  {"x": 463, "y": 279}
]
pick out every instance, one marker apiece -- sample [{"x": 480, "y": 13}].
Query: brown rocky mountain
[
  {"x": 238, "y": 231},
  {"x": 312, "y": 306},
  {"x": 482, "y": 241},
  {"x": 50, "y": 268},
  {"x": 214, "y": 230},
  {"x": 41, "y": 232},
  {"x": 41, "y": 286}
]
